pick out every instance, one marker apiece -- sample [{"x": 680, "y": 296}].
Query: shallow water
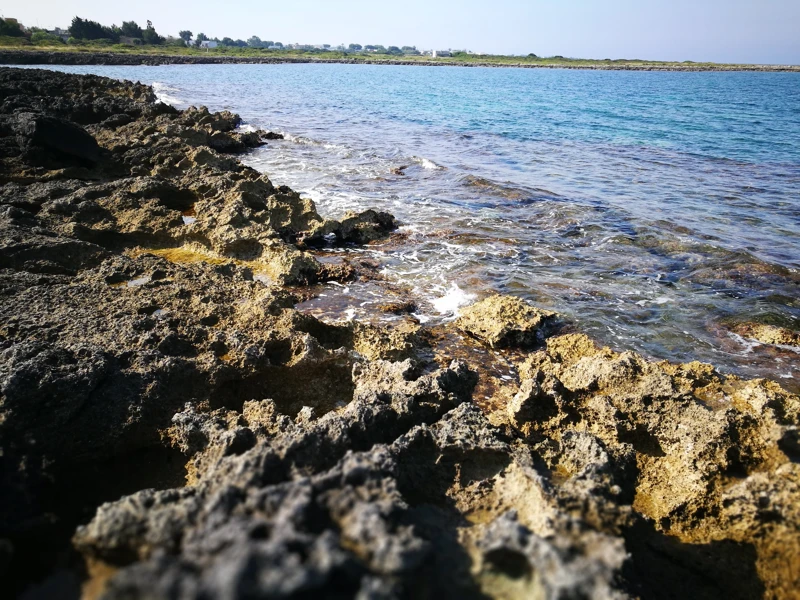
[{"x": 651, "y": 208}]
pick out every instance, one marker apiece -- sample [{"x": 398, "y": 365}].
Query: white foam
[
  {"x": 453, "y": 299},
  {"x": 427, "y": 163},
  {"x": 299, "y": 139},
  {"x": 164, "y": 93}
]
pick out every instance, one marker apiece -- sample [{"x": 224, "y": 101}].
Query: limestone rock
[
  {"x": 159, "y": 388},
  {"x": 768, "y": 334},
  {"x": 506, "y": 321}
]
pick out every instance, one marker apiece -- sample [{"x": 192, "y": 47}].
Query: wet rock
[
  {"x": 398, "y": 308},
  {"x": 366, "y": 227},
  {"x": 506, "y": 321},
  {"x": 768, "y": 334}
]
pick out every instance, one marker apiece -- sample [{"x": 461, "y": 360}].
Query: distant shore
[{"x": 81, "y": 57}]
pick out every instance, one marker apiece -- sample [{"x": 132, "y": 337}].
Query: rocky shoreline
[
  {"x": 171, "y": 426},
  {"x": 36, "y": 57}
]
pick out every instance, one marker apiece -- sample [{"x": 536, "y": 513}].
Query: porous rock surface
[
  {"x": 768, "y": 334},
  {"x": 172, "y": 427},
  {"x": 506, "y": 321}
]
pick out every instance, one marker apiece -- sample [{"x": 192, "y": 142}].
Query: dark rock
[
  {"x": 118, "y": 120},
  {"x": 366, "y": 227},
  {"x": 57, "y": 135}
]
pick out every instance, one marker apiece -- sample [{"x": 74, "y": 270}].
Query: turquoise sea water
[{"x": 652, "y": 208}]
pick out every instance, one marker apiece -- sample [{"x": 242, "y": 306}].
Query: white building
[
  {"x": 208, "y": 44},
  {"x": 441, "y": 53}
]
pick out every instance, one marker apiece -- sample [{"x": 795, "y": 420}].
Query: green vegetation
[
  {"x": 131, "y": 38},
  {"x": 42, "y": 38},
  {"x": 82, "y": 30},
  {"x": 13, "y": 41},
  {"x": 10, "y": 29},
  {"x": 235, "y": 51}
]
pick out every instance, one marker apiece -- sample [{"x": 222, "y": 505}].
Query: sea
[{"x": 654, "y": 210}]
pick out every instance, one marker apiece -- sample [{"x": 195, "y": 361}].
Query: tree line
[{"x": 86, "y": 30}]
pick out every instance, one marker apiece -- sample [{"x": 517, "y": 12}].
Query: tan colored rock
[
  {"x": 506, "y": 321},
  {"x": 386, "y": 343},
  {"x": 683, "y": 433},
  {"x": 768, "y": 334}
]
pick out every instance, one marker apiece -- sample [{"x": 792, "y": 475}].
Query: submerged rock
[{"x": 768, "y": 334}]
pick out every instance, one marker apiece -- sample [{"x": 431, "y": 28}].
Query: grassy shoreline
[{"x": 133, "y": 55}]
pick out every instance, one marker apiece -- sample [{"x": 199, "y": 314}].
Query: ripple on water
[{"x": 648, "y": 221}]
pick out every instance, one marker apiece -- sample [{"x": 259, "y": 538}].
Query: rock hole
[
  {"x": 790, "y": 445},
  {"x": 509, "y": 562}
]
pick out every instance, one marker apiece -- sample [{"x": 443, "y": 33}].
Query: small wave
[
  {"x": 452, "y": 300},
  {"x": 299, "y": 139},
  {"x": 428, "y": 164},
  {"x": 165, "y": 93},
  {"x": 246, "y": 128}
]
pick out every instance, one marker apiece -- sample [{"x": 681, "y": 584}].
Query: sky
[{"x": 746, "y": 31}]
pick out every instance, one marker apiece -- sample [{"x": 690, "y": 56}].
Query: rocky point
[{"x": 171, "y": 426}]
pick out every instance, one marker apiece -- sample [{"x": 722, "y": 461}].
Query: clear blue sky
[{"x": 753, "y": 31}]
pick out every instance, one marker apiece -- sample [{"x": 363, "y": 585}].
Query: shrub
[
  {"x": 7, "y": 40},
  {"x": 43, "y": 38}
]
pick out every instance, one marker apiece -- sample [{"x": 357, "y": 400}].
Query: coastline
[
  {"x": 10, "y": 57},
  {"x": 170, "y": 420}
]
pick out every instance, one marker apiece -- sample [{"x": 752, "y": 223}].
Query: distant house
[
  {"x": 441, "y": 53},
  {"x": 208, "y": 44},
  {"x": 62, "y": 33}
]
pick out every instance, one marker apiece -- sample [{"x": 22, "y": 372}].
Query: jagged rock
[
  {"x": 365, "y": 227},
  {"x": 158, "y": 386},
  {"x": 506, "y": 321},
  {"x": 516, "y": 563}
]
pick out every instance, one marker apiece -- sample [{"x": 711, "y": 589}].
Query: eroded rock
[
  {"x": 506, "y": 321},
  {"x": 171, "y": 427},
  {"x": 768, "y": 334}
]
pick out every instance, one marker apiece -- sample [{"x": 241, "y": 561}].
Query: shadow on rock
[{"x": 663, "y": 568}]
